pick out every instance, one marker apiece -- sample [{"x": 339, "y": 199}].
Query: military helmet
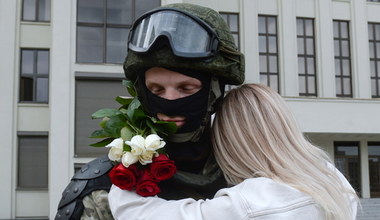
[{"x": 226, "y": 63}]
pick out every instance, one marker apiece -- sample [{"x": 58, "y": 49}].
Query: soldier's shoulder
[{"x": 92, "y": 176}]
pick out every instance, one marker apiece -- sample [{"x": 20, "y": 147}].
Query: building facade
[{"x": 61, "y": 61}]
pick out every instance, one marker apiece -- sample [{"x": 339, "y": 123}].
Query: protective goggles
[{"x": 187, "y": 35}]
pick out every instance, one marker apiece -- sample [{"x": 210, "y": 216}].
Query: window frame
[
  {"x": 374, "y": 39},
  {"x": 37, "y": 10},
  {"x": 340, "y": 76},
  {"x": 31, "y": 134},
  {"x": 305, "y": 57},
  {"x": 35, "y": 75},
  {"x": 269, "y": 54}
]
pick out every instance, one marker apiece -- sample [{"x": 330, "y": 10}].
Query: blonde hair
[{"x": 255, "y": 135}]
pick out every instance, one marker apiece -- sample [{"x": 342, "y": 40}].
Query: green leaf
[
  {"x": 126, "y": 147},
  {"x": 114, "y": 125},
  {"x": 127, "y": 133},
  {"x": 130, "y": 87},
  {"x": 105, "y": 112},
  {"x": 102, "y": 123},
  {"x": 125, "y": 101},
  {"x": 102, "y": 143},
  {"x": 99, "y": 134},
  {"x": 132, "y": 108},
  {"x": 166, "y": 126}
]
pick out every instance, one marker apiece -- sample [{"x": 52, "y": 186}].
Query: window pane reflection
[
  {"x": 90, "y": 11},
  {"x": 90, "y": 44},
  {"x": 116, "y": 44},
  {"x": 119, "y": 11},
  {"x": 42, "y": 90}
]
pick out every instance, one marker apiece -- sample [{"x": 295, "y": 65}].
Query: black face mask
[{"x": 193, "y": 107}]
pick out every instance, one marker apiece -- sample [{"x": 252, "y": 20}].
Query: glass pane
[
  {"x": 33, "y": 162},
  {"x": 344, "y": 29},
  {"x": 273, "y": 64},
  {"x": 309, "y": 46},
  {"x": 301, "y": 65},
  {"x": 346, "y": 86},
  {"x": 310, "y": 65},
  {"x": 301, "y": 84},
  {"x": 143, "y": 6},
  {"x": 336, "y": 48},
  {"x": 272, "y": 25},
  {"x": 42, "y": 91},
  {"x": 44, "y": 10},
  {"x": 336, "y": 29},
  {"x": 234, "y": 22},
  {"x": 300, "y": 29},
  {"x": 272, "y": 44},
  {"x": 90, "y": 45},
  {"x": 374, "y": 169},
  {"x": 346, "y": 68},
  {"x": 27, "y": 59},
  {"x": 262, "y": 44},
  {"x": 262, "y": 25},
  {"x": 338, "y": 86},
  {"x": 236, "y": 39},
  {"x": 371, "y": 50},
  {"x": 377, "y": 31},
  {"x": 373, "y": 68},
  {"x": 119, "y": 12},
  {"x": 345, "y": 48},
  {"x": 337, "y": 67},
  {"x": 370, "y": 31},
  {"x": 29, "y": 10},
  {"x": 300, "y": 46},
  {"x": 378, "y": 50},
  {"x": 224, "y": 16},
  {"x": 311, "y": 85},
  {"x": 273, "y": 82},
  {"x": 374, "y": 149},
  {"x": 43, "y": 62},
  {"x": 309, "y": 27},
  {"x": 263, "y": 64},
  {"x": 264, "y": 79},
  {"x": 116, "y": 44},
  {"x": 373, "y": 87},
  {"x": 26, "y": 89},
  {"x": 91, "y": 11}
]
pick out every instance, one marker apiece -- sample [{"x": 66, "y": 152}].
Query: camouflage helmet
[{"x": 227, "y": 64}]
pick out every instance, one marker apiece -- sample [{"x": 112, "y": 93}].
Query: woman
[{"x": 276, "y": 172}]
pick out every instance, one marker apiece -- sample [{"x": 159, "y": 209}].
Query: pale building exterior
[{"x": 58, "y": 65}]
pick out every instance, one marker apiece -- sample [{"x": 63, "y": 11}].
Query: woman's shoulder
[{"x": 263, "y": 196}]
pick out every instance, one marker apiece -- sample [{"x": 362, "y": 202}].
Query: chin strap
[{"x": 193, "y": 136}]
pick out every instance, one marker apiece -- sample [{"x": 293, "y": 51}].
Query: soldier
[{"x": 180, "y": 56}]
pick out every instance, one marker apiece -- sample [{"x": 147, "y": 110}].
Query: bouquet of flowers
[{"x": 136, "y": 145}]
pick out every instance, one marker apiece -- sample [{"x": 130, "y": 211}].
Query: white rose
[
  {"x": 137, "y": 144},
  {"x": 116, "y": 151},
  {"x": 146, "y": 157},
  {"x": 153, "y": 142},
  {"x": 128, "y": 159}
]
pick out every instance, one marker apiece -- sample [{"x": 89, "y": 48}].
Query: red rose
[
  {"x": 147, "y": 186},
  {"x": 162, "y": 168},
  {"x": 122, "y": 177}
]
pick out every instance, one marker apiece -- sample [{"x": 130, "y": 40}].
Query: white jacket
[{"x": 255, "y": 198}]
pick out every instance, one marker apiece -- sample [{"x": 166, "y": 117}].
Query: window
[
  {"x": 373, "y": 0},
  {"x": 32, "y": 161},
  {"x": 103, "y": 27},
  {"x": 342, "y": 59},
  {"x": 34, "y": 76},
  {"x": 306, "y": 57},
  {"x": 347, "y": 160},
  {"x": 232, "y": 20},
  {"x": 268, "y": 51},
  {"x": 374, "y": 168},
  {"x": 90, "y": 96},
  {"x": 36, "y": 10},
  {"x": 374, "y": 58}
]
